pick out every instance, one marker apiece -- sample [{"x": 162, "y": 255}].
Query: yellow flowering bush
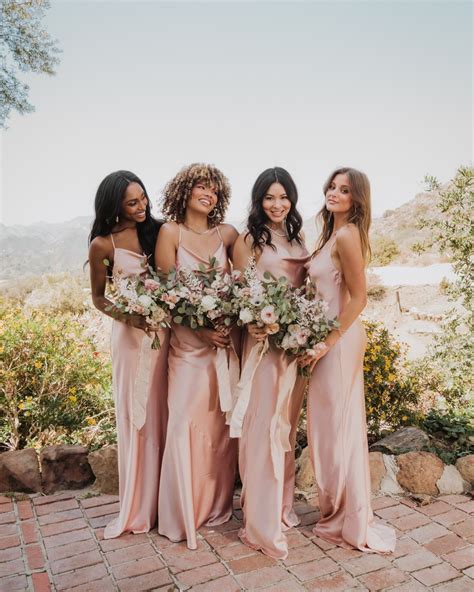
[
  {"x": 391, "y": 389},
  {"x": 54, "y": 386}
]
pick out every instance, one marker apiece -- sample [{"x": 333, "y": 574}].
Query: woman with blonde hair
[
  {"x": 199, "y": 461},
  {"x": 337, "y": 431}
]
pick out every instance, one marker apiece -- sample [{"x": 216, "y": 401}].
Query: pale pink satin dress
[
  {"x": 139, "y": 379},
  {"x": 200, "y": 460},
  {"x": 337, "y": 430},
  {"x": 266, "y": 470}
]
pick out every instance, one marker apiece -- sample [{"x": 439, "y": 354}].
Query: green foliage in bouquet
[{"x": 54, "y": 386}]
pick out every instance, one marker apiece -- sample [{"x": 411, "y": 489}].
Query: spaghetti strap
[
  {"x": 112, "y": 239},
  {"x": 179, "y": 235},
  {"x": 219, "y": 233}
]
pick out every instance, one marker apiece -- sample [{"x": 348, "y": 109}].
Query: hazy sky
[{"x": 150, "y": 86}]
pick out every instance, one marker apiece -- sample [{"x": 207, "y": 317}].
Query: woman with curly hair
[
  {"x": 199, "y": 460},
  {"x": 267, "y": 427},
  {"x": 337, "y": 431}
]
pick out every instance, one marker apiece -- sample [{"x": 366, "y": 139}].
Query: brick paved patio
[{"x": 56, "y": 543}]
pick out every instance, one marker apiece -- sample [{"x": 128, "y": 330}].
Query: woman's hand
[
  {"x": 310, "y": 359},
  {"x": 137, "y": 321},
  {"x": 258, "y": 333},
  {"x": 214, "y": 338}
]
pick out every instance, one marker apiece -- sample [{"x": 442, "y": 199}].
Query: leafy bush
[
  {"x": 451, "y": 433},
  {"x": 54, "y": 385},
  {"x": 453, "y": 352},
  {"x": 391, "y": 390},
  {"x": 384, "y": 250},
  {"x": 56, "y": 294},
  {"x": 376, "y": 292}
]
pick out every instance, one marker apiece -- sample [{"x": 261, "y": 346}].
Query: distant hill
[
  {"x": 54, "y": 248},
  {"x": 43, "y": 247}
]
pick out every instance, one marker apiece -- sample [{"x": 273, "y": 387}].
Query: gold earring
[{"x": 213, "y": 212}]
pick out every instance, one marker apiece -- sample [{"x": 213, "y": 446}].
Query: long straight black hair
[
  {"x": 257, "y": 220},
  {"x": 108, "y": 206}
]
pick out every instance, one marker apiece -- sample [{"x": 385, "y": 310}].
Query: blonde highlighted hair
[{"x": 359, "y": 214}]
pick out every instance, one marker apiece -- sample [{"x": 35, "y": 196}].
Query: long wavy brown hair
[
  {"x": 178, "y": 191},
  {"x": 359, "y": 214}
]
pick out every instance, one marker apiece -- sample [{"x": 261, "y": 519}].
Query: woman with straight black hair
[
  {"x": 266, "y": 413},
  {"x": 122, "y": 243}
]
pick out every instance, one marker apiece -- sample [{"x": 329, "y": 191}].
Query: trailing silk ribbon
[
  {"x": 241, "y": 394},
  {"x": 141, "y": 386},
  {"x": 227, "y": 370},
  {"x": 280, "y": 425}
]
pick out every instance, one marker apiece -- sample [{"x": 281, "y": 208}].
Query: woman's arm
[
  {"x": 349, "y": 256},
  {"x": 242, "y": 251},
  {"x": 229, "y": 236},
  {"x": 100, "y": 250},
  {"x": 167, "y": 246}
]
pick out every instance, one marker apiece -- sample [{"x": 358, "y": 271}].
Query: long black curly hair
[
  {"x": 257, "y": 220},
  {"x": 178, "y": 191},
  {"x": 108, "y": 206}
]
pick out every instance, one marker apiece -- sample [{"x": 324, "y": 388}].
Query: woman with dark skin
[
  {"x": 122, "y": 243},
  {"x": 200, "y": 458}
]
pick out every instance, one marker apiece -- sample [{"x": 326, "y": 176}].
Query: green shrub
[
  {"x": 384, "y": 250},
  {"x": 451, "y": 433},
  {"x": 391, "y": 391},
  {"x": 377, "y": 292},
  {"x": 54, "y": 385}
]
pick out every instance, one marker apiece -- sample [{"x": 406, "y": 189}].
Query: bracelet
[{"x": 340, "y": 331}]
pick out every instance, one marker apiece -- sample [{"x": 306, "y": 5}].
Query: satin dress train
[
  {"x": 200, "y": 460},
  {"x": 140, "y": 386},
  {"x": 266, "y": 470},
  {"x": 337, "y": 429}
]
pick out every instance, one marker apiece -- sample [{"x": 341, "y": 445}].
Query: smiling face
[
  {"x": 276, "y": 204},
  {"x": 338, "y": 195},
  {"x": 134, "y": 203},
  {"x": 203, "y": 198}
]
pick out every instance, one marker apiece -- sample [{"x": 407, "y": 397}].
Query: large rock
[
  {"x": 419, "y": 472},
  {"x": 19, "y": 471},
  {"x": 65, "y": 467},
  {"x": 104, "y": 465},
  {"x": 451, "y": 481},
  {"x": 390, "y": 485},
  {"x": 377, "y": 470},
  {"x": 465, "y": 465},
  {"x": 403, "y": 440},
  {"x": 305, "y": 475}
]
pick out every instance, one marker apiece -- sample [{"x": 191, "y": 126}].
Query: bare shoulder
[
  {"x": 229, "y": 233},
  {"x": 101, "y": 247},
  {"x": 348, "y": 236},
  {"x": 169, "y": 230}
]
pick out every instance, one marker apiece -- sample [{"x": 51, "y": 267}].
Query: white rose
[
  {"x": 145, "y": 300},
  {"x": 208, "y": 302},
  {"x": 245, "y": 316}
]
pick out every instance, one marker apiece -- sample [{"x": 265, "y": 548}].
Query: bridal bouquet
[
  {"x": 143, "y": 296},
  {"x": 306, "y": 334},
  {"x": 266, "y": 303},
  {"x": 200, "y": 298}
]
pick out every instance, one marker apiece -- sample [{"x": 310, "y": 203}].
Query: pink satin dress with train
[
  {"x": 200, "y": 459},
  {"x": 140, "y": 387},
  {"x": 337, "y": 429},
  {"x": 266, "y": 446}
]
